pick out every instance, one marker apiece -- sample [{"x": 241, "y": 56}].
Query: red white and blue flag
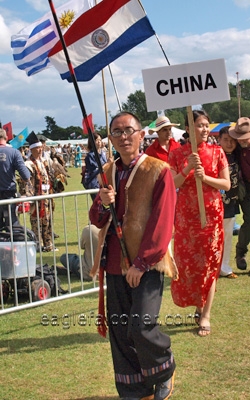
[{"x": 100, "y": 36}]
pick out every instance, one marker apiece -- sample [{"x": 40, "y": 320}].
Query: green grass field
[{"x": 54, "y": 352}]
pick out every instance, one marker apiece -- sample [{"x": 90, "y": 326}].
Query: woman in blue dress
[{"x": 78, "y": 156}]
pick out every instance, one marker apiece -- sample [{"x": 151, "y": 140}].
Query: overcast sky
[{"x": 189, "y": 31}]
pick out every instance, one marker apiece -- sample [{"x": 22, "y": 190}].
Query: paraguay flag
[{"x": 100, "y": 36}]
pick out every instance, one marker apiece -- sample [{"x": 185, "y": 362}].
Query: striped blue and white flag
[
  {"x": 100, "y": 36},
  {"x": 32, "y": 44}
]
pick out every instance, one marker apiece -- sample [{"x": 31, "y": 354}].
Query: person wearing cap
[
  {"x": 165, "y": 143},
  {"x": 41, "y": 185},
  {"x": 45, "y": 151},
  {"x": 198, "y": 251},
  {"x": 10, "y": 161},
  {"x": 241, "y": 132}
]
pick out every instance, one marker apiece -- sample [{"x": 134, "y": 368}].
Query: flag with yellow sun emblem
[
  {"x": 66, "y": 19},
  {"x": 20, "y": 139}
]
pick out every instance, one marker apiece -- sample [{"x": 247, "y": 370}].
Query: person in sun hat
[
  {"x": 241, "y": 132},
  {"x": 45, "y": 152},
  {"x": 165, "y": 143},
  {"x": 40, "y": 185}
]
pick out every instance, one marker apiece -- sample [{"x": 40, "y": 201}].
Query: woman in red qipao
[{"x": 198, "y": 252}]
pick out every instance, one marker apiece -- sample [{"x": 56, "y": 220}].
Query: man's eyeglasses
[{"x": 128, "y": 131}]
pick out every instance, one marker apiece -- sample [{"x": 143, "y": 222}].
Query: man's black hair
[{"x": 120, "y": 114}]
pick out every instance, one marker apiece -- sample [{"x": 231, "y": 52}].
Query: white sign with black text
[{"x": 185, "y": 84}]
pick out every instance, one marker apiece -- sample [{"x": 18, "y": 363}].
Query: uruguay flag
[
  {"x": 100, "y": 36},
  {"x": 32, "y": 44},
  {"x": 19, "y": 139}
]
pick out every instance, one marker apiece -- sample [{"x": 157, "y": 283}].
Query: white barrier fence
[{"x": 21, "y": 287}]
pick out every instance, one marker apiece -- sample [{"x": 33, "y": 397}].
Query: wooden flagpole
[
  {"x": 106, "y": 113},
  {"x": 193, "y": 142},
  {"x": 106, "y": 108},
  {"x": 114, "y": 86}
]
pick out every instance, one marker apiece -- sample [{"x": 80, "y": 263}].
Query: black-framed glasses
[{"x": 128, "y": 131}]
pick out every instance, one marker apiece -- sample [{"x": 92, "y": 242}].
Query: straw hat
[{"x": 161, "y": 122}]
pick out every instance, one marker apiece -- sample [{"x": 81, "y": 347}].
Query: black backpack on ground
[
  {"x": 49, "y": 276},
  {"x": 20, "y": 234}
]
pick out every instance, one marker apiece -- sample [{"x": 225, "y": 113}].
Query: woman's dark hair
[
  {"x": 96, "y": 136},
  {"x": 197, "y": 114},
  {"x": 120, "y": 114}
]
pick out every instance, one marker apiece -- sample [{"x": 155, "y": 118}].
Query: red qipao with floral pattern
[{"x": 198, "y": 252}]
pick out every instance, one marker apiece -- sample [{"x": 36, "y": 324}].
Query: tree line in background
[
  {"x": 226, "y": 111},
  {"x": 55, "y": 132}
]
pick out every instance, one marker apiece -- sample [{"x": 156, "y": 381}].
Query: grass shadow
[
  {"x": 171, "y": 331},
  {"x": 31, "y": 345}
]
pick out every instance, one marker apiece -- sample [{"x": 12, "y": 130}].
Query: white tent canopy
[
  {"x": 177, "y": 135},
  {"x": 73, "y": 142}
]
